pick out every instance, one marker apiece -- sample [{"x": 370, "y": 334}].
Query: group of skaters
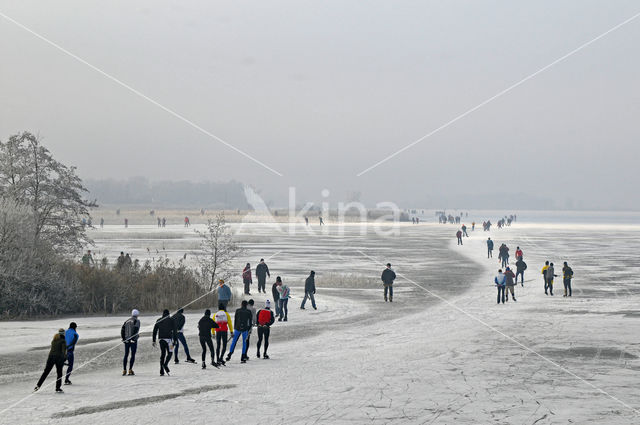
[
  {"x": 549, "y": 273},
  {"x": 214, "y": 333},
  {"x": 507, "y": 280},
  {"x": 462, "y": 232},
  {"x": 162, "y": 222}
]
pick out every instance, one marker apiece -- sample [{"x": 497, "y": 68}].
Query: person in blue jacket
[
  {"x": 489, "y": 248},
  {"x": 224, "y": 294},
  {"x": 71, "y": 338},
  {"x": 500, "y": 281}
]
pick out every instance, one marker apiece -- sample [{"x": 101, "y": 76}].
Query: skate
[
  {"x": 124, "y": 372},
  {"x": 243, "y": 361},
  {"x": 214, "y": 364},
  {"x": 228, "y": 357},
  {"x": 190, "y": 360},
  {"x": 36, "y": 388},
  {"x": 204, "y": 365},
  {"x": 131, "y": 372},
  {"x": 258, "y": 355},
  {"x": 222, "y": 362},
  {"x": 59, "y": 390},
  {"x": 67, "y": 382},
  {"x": 285, "y": 319},
  {"x": 176, "y": 361},
  {"x": 266, "y": 356},
  {"x": 302, "y": 308},
  {"x": 166, "y": 368}
]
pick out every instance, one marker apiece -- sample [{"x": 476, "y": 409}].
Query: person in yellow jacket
[
  {"x": 544, "y": 277},
  {"x": 225, "y": 326}
]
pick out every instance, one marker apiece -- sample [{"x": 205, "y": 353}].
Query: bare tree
[
  {"x": 53, "y": 193},
  {"x": 218, "y": 251}
]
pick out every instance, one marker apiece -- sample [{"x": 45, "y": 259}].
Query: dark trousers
[
  {"x": 284, "y": 307},
  {"x": 521, "y": 274},
  {"x": 247, "y": 285},
  {"x": 567, "y": 286},
  {"x": 221, "y": 340},
  {"x": 311, "y": 297},
  {"x": 460, "y": 240},
  {"x": 181, "y": 339},
  {"x": 489, "y": 253},
  {"x": 388, "y": 288},
  {"x": 70, "y": 364},
  {"x": 224, "y": 303},
  {"x": 165, "y": 355},
  {"x": 52, "y": 361},
  {"x": 549, "y": 285},
  {"x": 263, "y": 332},
  {"x": 505, "y": 261},
  {"x": 500, "y": 294},
  {"x": 129, "y": 347},
  {"x": 262, "y": 283},
  {"x": 206, "y": 341}
]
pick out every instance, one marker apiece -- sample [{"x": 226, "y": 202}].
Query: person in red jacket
[
  {"x": 519, "y": 253},
  {"x": 265, "y": 320},
  {"x": 246, "y": 278}
]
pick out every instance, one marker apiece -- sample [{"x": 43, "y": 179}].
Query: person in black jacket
[
  {"x": 276, "y": 295},
  {"x": 56, "y": 358},
  {"x": 165, "y": 329},
  {"x": 309, "y": 290},
  {"x": 241, "y": 323},
  {"x": 129, "y": 333},
  {"x": 179, "y": 320},
  {"x": 521, "y": 266},
  {"x": 388, "y": 276},
  {"x": 262, "y": 271},
  {"x": 205, "y": 327},
  {"x": 265, "y": 319}
]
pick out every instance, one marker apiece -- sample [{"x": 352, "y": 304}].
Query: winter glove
[{"x": 153, "y": 344}]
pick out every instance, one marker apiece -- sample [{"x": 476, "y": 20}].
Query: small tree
[
  {"x": 218, "y": 251},
  {"x": 50, "y": 190}
]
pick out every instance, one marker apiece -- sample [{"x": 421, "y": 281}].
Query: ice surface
[{"x": 360, "y": 360}]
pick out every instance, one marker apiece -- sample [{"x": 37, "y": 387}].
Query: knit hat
[
  {"x": 221, "y": 281},
  {"x": 267, "y": 304},
  {"x": 135, "y": 313},
  {"x": 61, "y": 331}
]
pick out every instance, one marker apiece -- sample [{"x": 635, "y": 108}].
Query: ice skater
[
  {"x": 285, "y": 294},
  {"x": 464, "y": 231},
  {"x": 180, "y": 320},
  {"x": 500, "y": 281},
  {"x": 388, "y": 276},
  {"x": 206, "y": 326},
  {"x": 489, "y": 248},
  {"x": 509, "y": 284},
  {"x": 224, "y": 294},
  {"x": 71, "y": 339},
  {"x": 265, "y": 318},
  {"x": 246, "y": 278},
  {"x": 57, "y": 354},
  {"x": 276, "y": 294},
  {"x": 459, "y": 236},
  {"x": 129, "y": 332},
  {"x": 550, "y": 275},
  {"x": 165, "y": 330},
  {"x": 262, "y": 272},
  {"x": 252, "y": 309},
  {"x": 242, "y": 323},
  {"x": 223, "y": 320},
  {"x": 309, "y": 290},
  {"x": 567, "y": 275},
  {"x": 544, "y": 277},
  {"x": 521, "y": 266}
]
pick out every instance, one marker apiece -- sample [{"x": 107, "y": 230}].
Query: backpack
[{"x": 264, "y": 317}]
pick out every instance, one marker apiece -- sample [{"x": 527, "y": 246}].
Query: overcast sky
[{"x": 321, "y": 90}]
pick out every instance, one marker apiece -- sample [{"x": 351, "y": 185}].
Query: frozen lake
[{"x": 443, "y": 352}]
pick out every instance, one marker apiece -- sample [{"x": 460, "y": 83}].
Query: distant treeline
[{"x": 141, "y": 191}]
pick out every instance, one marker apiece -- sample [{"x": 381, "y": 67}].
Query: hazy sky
[{"x": 321, "y": 90}]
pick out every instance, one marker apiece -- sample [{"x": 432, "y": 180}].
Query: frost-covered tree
[
  {"x": 218, "y": 251},
  {"x": 51, "y": 191}
]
